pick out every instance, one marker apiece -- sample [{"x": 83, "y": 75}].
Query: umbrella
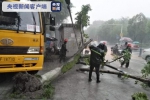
[{"x": 125, "y": 39}]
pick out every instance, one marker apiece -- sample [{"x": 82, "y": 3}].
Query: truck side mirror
[
  {"x": 67, "y": 2},
  {"x": 52, "y": 20}
]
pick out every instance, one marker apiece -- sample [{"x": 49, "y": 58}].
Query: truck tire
[{"x": 33, "y": 72}]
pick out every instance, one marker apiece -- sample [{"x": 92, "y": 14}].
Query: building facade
[{"x": 66, "y": 32}]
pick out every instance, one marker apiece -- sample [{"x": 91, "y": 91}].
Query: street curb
[{"x": 52, "y": 74}]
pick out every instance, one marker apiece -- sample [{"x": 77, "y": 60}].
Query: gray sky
[{"x": 107, "y": 9}]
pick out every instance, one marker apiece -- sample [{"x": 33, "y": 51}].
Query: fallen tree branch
[
  {"x": 119, "y": 73},
  {"x": 29, "y": 83},
  {"x": 87, "y": 56},
  {"x": 81, "y": 49},
  {"x": 49, "y": 76}
]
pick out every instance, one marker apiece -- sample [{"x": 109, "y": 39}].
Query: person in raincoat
[
  {"x": 63, "y": 51},
  {"x": 103, "y": 47},
  {"x": 127, "y": 55},
  {"x": 96, "y": 58}
]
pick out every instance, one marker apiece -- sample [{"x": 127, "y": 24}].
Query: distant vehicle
[
  {"x": 134, "y": 45},
  {"x": 87, "y": 51},
  {"x": 146, "y": 54}
]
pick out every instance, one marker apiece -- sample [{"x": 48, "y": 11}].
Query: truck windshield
[{"x": 25, "y": 21}]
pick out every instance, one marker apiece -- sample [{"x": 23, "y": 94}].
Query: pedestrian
[
  {"x": 125, "y": 45},
  {"x": 127, "y": 55},
  {"x": 63, "y": 50},
  {"x": 116, "y": 52},
  {"x": 105, "y": 47},
  {"x": 96, "y": 58}
]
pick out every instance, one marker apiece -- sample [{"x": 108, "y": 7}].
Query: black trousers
[
  {"x": 96, "y": 66},
  {"x": 62, "y": 57},
  {"x": 127, "y": 63}
]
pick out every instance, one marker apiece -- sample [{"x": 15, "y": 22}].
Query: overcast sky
[{"x": 107, "y": 9}]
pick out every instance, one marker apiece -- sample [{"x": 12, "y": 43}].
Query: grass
[
  {"x": 15, "y": 95},
  {"x": 139, "y": 96},
  {"x": 38, "y": 76},
  {"x": 48, "y": 91},
  {"x": 47, "y": 94}
]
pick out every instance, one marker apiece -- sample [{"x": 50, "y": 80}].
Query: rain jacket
[
  {"x": 127, "y": 52},
  {"x": 63, "y": 50},
  {"x": 97, "y": 55}
]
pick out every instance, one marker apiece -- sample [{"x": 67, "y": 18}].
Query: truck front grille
[{"x": 13, "y": 50}]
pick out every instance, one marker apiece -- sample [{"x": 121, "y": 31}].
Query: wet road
[
  {"x": 6, "y": 84},
  {"x": 75, "y": 86}
]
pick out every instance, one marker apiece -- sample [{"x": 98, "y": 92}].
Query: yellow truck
[{"x": 21, "y": 43}]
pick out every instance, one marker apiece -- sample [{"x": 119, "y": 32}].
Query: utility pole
[{"x": 68, "y": 7}]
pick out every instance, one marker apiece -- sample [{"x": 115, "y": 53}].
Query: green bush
[
  {"x": 48, "y": 91},
  {"x": 139, "y": 96}
]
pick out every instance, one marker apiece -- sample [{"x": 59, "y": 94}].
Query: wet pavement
[{"x": 74, "y": 85}]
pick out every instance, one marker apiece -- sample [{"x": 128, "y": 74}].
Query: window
[{"x": 21, "y": 21}]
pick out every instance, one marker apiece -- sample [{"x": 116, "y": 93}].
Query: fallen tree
[
  {"x": 32, "y": 86},
  {"x": 119, "y": 73}
]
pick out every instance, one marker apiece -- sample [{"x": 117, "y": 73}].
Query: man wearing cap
[
  {"x": 63, "y": 50},
  {"x": 105, "y": 47},
  {"x": 127, "y": 55}
]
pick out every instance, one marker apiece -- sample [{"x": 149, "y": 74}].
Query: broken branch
[{"x": 119, "y": 73}]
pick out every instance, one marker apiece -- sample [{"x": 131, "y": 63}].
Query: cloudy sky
[{"x": 107, "y": 9}]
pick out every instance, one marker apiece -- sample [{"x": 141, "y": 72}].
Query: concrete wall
[{"x": 67, "y": 33}]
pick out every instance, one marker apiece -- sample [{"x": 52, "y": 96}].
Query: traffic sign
[{"x": 121, "y": 34}]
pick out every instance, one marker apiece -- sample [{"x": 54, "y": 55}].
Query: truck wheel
[{"x": 33, "y": 72}]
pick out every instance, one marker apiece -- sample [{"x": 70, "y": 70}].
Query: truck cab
[{"x": 21, "y": 41}]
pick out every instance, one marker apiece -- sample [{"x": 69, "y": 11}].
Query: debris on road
[
  {"x": 32, "y": 87},
  {"x": 119, "y": 73},
  {"x": 25, "y": 82}
]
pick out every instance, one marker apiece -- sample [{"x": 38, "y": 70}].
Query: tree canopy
[
  {"x": 137, "y": 28},
  {"x": 82, "y": 20},
  {"x": 82, "y": 17}
]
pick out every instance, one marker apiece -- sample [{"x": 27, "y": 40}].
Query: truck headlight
[{"x": 34, "y": 50}]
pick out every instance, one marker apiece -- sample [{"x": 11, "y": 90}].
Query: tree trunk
[
  {"x": 119, "y": 73},
  {"x": 81, "y": 38},
  {"x": 25, "y": 82},
  {"x": 49, "y": 76},
  {"x": 81, "y": 32}
]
